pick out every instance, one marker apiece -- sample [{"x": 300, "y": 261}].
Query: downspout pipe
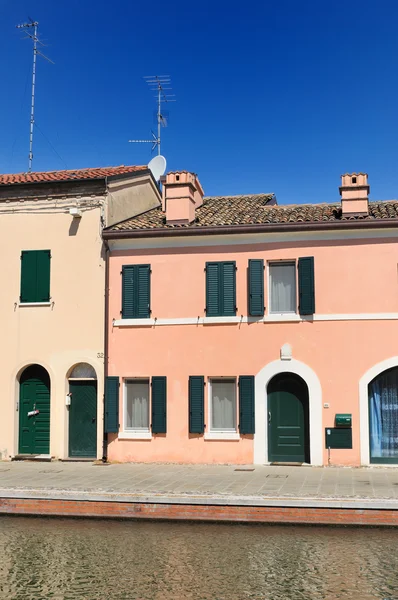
[{"x": 106, "y": 340}]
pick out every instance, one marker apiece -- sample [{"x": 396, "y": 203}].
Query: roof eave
[{"x": 245, "y": 229}]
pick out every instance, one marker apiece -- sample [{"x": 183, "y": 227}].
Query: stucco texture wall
[{"x": 351, "y": 276}]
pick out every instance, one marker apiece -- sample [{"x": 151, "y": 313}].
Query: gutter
[{"x": 256, "y": 228}]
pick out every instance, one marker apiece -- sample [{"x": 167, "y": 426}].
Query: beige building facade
[{"x": 52, "y": 304}]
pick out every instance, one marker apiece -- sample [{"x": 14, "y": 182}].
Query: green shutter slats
[
  {"x": 144, "y": 291},
  {"x": 228, "y": 284},
  {"x": 246, "y": 404},
  {"x": 306, "y": 281},
  {"x": 136, "y": 291},
  {"x": 220, "y": 289},
  {"x": 35, "y": 275},
  {"x": 111, "y": 404},
  {"x": 196, "y": 404},
  {"x": 212, "y": 290},
  {"x": 159, "y": 402},
  {"x": 256, "y": 287}
]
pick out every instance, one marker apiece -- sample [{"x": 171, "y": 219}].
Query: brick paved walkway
[{"x": 198, "y": 483}]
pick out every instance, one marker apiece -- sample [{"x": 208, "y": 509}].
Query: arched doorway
[
  {"x": 288, "y": 419},
  {"x": 83, "y": 412},
  {"x": 34, "y": 411},
  {"x": 383, "y": 417}
]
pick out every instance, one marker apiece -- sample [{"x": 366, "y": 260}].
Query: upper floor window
[
  {"x": 136, "y": 291},
  {"x": 284, "y": 290},
  {"x": 35, "y": 276},
  {"x": 221, "y": 289},
  {"x": 282, "y": 287}
]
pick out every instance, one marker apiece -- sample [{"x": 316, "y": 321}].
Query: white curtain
[
  {"x": 223, "y": 400},
  {"x": 282, "y": 287},
  {"x": 137, "y": 405}
]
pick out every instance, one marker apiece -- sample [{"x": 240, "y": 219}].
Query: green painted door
[
  {"x": 34, "y": 411},
  {"x": 83, "y": 419},
  {"x": 288, "y": 419}
]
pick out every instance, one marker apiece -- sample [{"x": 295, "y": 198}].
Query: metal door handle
[{"x": 269, "y": 416}]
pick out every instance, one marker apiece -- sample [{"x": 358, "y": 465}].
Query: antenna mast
[
  {"x": 27, "y": 27},
  {"x": 159, "y": 84}
]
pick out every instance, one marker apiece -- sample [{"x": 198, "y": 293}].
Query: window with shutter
[
  {"x": 35, "y": 276},
  {"x": 136, "y": 291},
  {"x": 196, "y": 404},
  {"x": 221, "y": 289},
  {"x": 111, "y": 404},
  {"x": 223, "y": 405},
  {"x": 256, "y": 287}
]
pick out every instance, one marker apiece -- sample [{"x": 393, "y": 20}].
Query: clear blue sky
[{"x": 279, "y": 96}]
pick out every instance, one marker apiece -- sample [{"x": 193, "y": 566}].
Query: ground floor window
[
  {"x": 136, "y": 400},
  {"x": 383, "y": 413},
  {"x": 223, "y": 405}
]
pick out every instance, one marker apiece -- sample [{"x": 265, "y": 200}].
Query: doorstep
[
  {"x": 33, "y": 457},
  {"x": 77, "y": 459}
]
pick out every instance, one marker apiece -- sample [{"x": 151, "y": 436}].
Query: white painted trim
[
  {"x": 230, "y": 436},
  {"x": 239, "y": 239},
  {"x": 130, "y": 434},
  {"x": 135, "y": 435},
  {"x": 370, "y": 374},
  {"x": 214, "y": 433},
  {"x": 261, "y": 408},
  {"x": 34, "y": 303},
  {"x": 272, "y": 318}
]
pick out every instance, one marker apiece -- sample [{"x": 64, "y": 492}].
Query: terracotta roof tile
[
  {"x": 71, "y": 175},
  {"x": 255, "y": 209}
]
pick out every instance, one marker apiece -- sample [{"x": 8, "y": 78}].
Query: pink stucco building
[{"x": 240, "y": 331}]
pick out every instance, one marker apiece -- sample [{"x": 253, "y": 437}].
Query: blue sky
[{"x": 279, "y": 96}]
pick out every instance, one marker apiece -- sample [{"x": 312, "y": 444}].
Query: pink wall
[{"x": 354, "y": 276}]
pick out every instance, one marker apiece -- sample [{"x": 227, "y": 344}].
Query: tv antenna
[
  {"x": 159, "y": 84},
  {"x": 30, "y": 29}
]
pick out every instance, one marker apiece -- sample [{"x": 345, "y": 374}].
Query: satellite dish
[{"x": 157, "y": 166}]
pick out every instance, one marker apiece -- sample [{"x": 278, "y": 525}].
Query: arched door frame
[
  {"x": 315, "y": 408},
  {"x": 373, "y": 372}
]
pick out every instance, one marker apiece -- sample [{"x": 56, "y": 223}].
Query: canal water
[{"x": 75, "y": 559}]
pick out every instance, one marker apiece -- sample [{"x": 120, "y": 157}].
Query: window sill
[
  {"x": 34, "y": 303},
  {"x": 135, "y": 435},
  {"x": 218, "y": 435}
]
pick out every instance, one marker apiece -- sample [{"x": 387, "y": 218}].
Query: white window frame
[
  {"x": 291, "y": 261},
  {"x": 221, "y": 434},
  {"x": 138, "y": 433}
]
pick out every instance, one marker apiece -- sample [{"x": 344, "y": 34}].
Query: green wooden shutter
[
  {"x": 306, "y": 285},
  {"x": 35, "y": 276},
  {"x": 159, "y": 402},
  {"x": 228, "y": 287},
  {"x": 213, "y": 289},
  {"x": 111, "y": 404},
  {"x": 256, "y": 287},
  {"x": 136, "y": 291},
  {"x": 128, "y": 291},
  {"x": 196, "y": 404},
  {"x": 43, "y": 275},
  {"x": 144, "y": 291},
  {"x": 246, "y": 404}
]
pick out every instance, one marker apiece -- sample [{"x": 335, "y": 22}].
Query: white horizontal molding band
[{"x": 267, "y": 319}]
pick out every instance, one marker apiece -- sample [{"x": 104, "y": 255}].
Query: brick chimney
[
  {"x": 182, "y": 194},
  {"x": 354, "y": 192}
]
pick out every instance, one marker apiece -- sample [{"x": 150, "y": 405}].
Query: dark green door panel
[
  {"x": 288, "y": 419},
  {"x": 83, "y": 419},
  {"x": 34, "y": 394}
]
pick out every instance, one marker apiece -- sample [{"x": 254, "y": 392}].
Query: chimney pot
[{"x": 354, "y": 191}]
